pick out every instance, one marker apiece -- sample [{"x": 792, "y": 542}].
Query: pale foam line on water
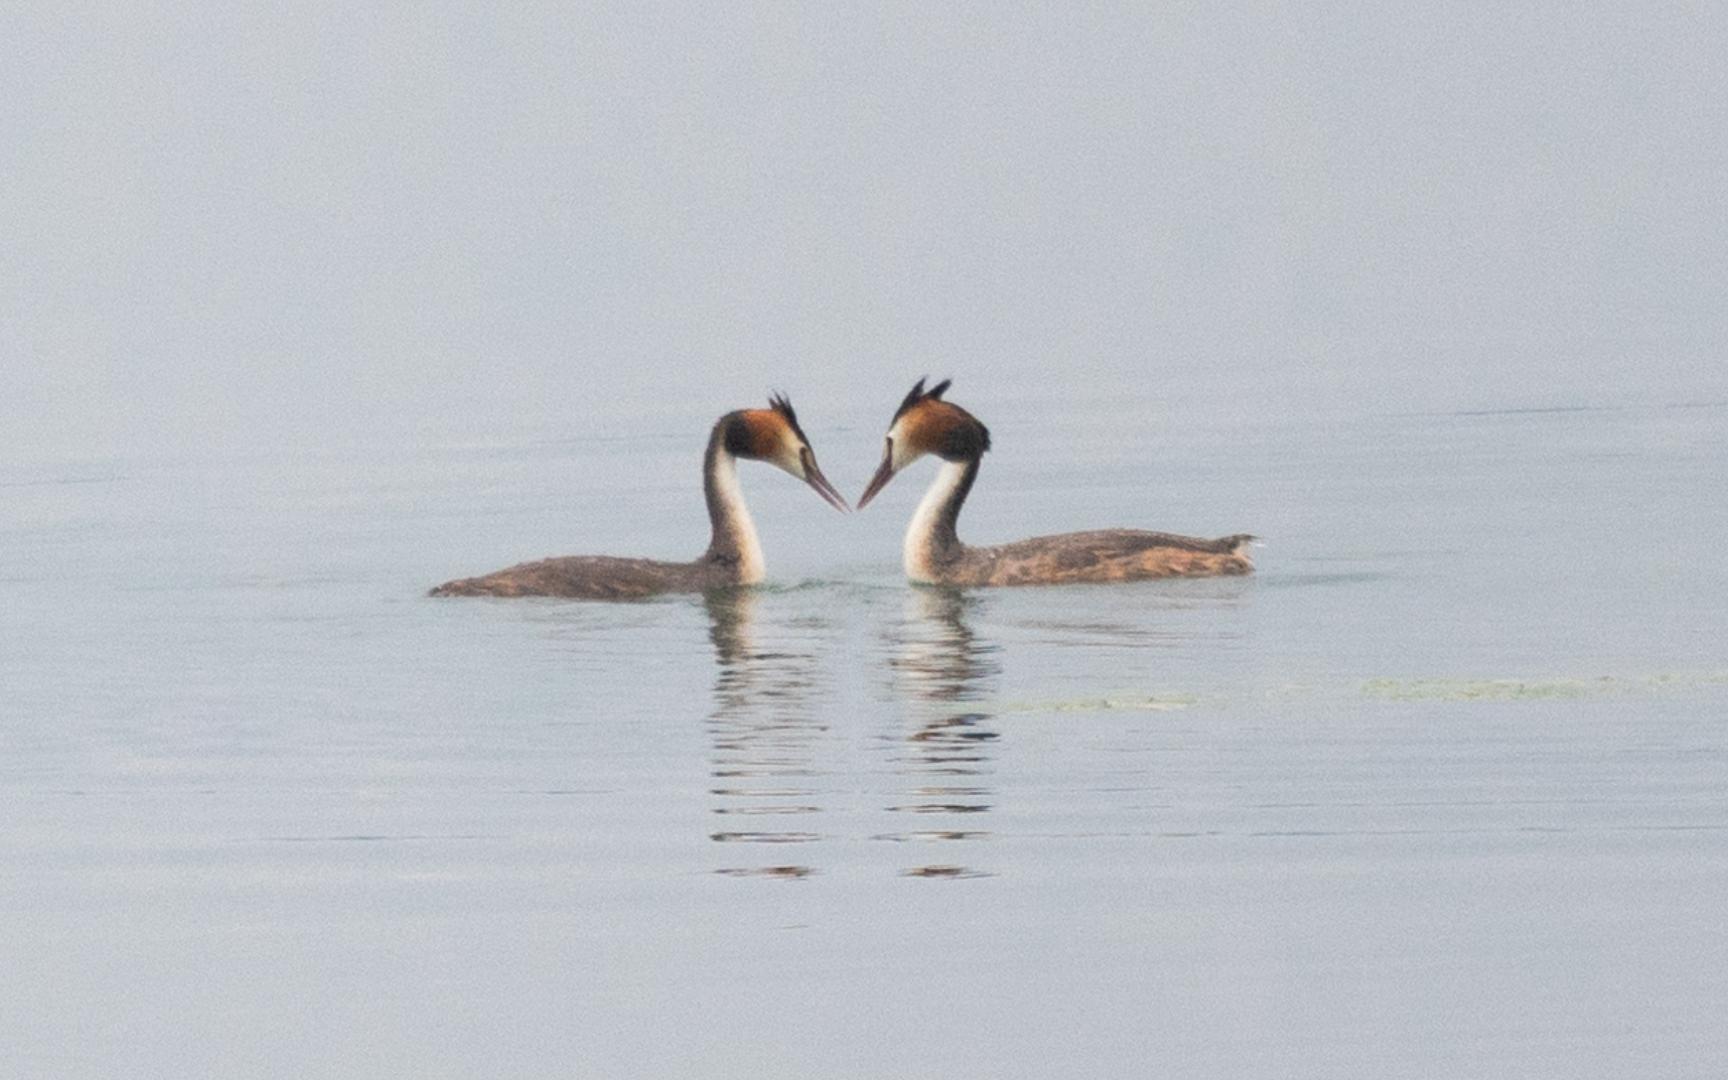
[{"x": 1109, "y": 703}]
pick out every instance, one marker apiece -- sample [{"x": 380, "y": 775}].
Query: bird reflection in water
[
  {"x": 763, "y": 735},
  {"x": 946, "y": 671}
]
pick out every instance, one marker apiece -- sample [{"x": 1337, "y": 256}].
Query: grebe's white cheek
[{"x": 900, "y": 454}]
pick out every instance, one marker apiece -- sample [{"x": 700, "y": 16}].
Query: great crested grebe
[
  {"x": 925, "y": 424},
  {"x": 734, "y": 557}
]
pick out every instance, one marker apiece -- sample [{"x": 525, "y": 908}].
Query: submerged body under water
[{"x": 1442, "y": 789}]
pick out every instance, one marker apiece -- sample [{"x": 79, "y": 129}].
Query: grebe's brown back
[
  {"x": 933, "y": 554},
  {"x": 734, "y": 556}
]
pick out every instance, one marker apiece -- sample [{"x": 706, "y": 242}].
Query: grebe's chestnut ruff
[
  {"x": 925, "y": 424},
  {"x": 734, "y": 556}
]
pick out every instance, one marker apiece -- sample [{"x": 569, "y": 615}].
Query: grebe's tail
[{"x": 1237, "y": 544}]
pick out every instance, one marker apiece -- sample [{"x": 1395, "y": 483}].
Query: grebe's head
[
  {"x": 925, "y": 424},
  {"x": 773, "y": 435}
]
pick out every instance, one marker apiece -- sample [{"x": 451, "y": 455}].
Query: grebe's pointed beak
[
  {"x": 884, "y": 473},
  {"x": 813, "y": 476}
]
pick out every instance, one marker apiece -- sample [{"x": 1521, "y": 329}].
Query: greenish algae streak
[{"x": 1530, "y": 689}]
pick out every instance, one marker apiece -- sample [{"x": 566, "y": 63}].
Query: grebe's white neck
[
  {"x": 734, "y": 534},
  {"x": 931, "y": 532}
]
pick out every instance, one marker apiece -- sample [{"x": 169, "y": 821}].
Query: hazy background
[
  {"x": 221, "y": 226},
  {"x": 306, "y": 309}
]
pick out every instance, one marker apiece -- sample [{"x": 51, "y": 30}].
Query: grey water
[
  {"x": 305, "y": 308},
  {"x": 1441, "y": 790}
]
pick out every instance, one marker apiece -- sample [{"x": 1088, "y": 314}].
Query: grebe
[
  {"x": 734, "y": 557},
  {"x": 925, "y": 424}
]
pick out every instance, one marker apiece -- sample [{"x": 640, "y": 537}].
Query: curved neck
[
  {"x": 931, "y": 537},
  {"x": 733, "y": 539}
]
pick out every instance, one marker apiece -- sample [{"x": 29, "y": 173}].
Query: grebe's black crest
[
  {"x": 781, "y": 405},
  {"x": 919, "y": 394}
]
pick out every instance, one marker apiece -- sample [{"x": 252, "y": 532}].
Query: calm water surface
[{"x": 1442, "y": 791}]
